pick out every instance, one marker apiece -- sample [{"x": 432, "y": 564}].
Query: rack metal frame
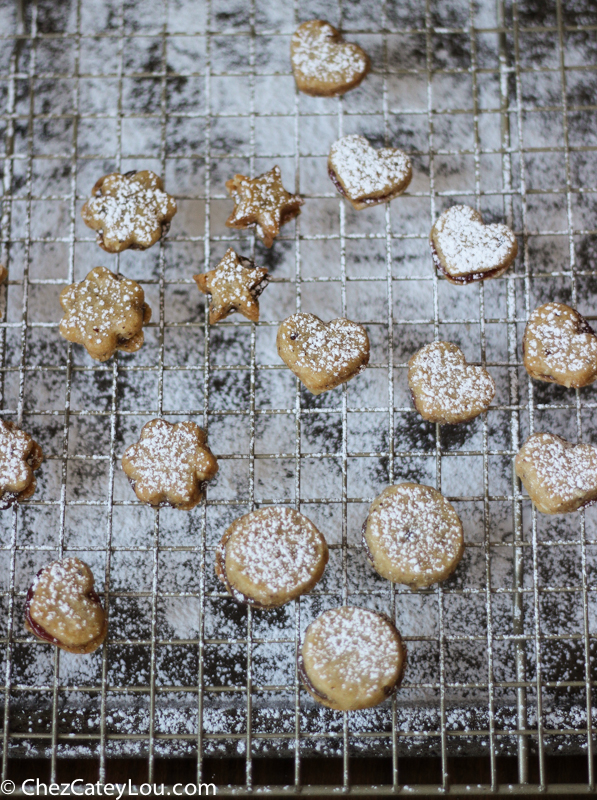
[{"x": 21, "y": 116}]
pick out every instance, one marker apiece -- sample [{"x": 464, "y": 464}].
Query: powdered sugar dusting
[
  {"x": 329, "y": 348},
  {"x": 129, "y": 208},
  {"x": 277, "y": 548},
  {"x": 417, "y": 530},
  {"x": 562, "y": 342},
  {"x": 61, "y": 603},
  {"x": 366, "y": 172},
  {"x": 317, "y": 54},
  {"x": 558, "y": 475},
  {"x": 169, "y": 462},
  {"x": 445, "y": 386},
  {"x": 15, "y": 446},
  {"x": 360, "y": 643},
  {"x": 466, "y": 245}
]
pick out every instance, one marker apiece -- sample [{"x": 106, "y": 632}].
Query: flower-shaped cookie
[
  {"x": 262, "y": 203},
  {"x": 19, "y": 457},
  {"x": 62, "y": 607},
  {"x": 234, "y": 285},
  {"x": 170, "y": 464},
  {"x": 130, "y": 210},
  {"x": 104, "y": 313}
]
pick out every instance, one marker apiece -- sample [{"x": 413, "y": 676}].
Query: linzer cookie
[
  {"x": 322, "y": 354},
  {"x": 104, "y": 313},
  {"x": 62, "y": 607},
  {"x": 366, "y": 176},
  {"x": 464, "y": 249},
  {"x": 20, "y": 456},
  {"x": 130, "y": 210},
  {"x": 323, "y": 63},
  {"x": 445, "y": 388},
  {"x": 234, "y": 285},
  {"x": 170, "y": 464},
  {"x": 270, "y": 556},
  {"x": 413, "y": 535},
  {"x": 559, "y": 346},
  {"x": 559, "y": 476},
  {"x": 262, "y": 203},
  {"x": 351, "y": 658}
]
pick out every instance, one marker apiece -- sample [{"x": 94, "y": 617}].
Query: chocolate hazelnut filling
[
  {"x": 463, "y": 279},
  {"x": 370, "y": 201}
]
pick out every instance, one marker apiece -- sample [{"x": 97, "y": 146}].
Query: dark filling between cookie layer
[
  {"x": 36, "y": 628},
  {"x": 387, "y": 690},
  {"x": 463, "y": 279},
  {"x": 370, "y": 201},
  {"x": 220, "y": 567}
]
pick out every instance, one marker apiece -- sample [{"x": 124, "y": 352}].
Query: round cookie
[
  {"x": 351, "y": 658},
  {"x": 268, "y": 557},
  {"x": 559, "y": 476},
  {"x": 445, "y": 388},
  {"x": 324, "y": 64},
  {"x": 559, "y": 346},
  {"x": 322, "y": 354},
  {"x": 366, "y": 176},
  {"x": 62, "y": 607},
  {"x": 464, "y": 249},
  {"x": 413, "y": 535}
]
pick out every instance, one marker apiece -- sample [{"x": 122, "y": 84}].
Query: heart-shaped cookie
[
  {"x": 466, "y": 250},
  {"x": 445, "y": 388},
  {"x": 324, "y": 64},
  {"x": 367, "y": 176},
  {"x": 322, "y": 354},
  {"x": 63, "y": 609},
  {"x": 559, "y": 346},
  {"x": 559, "y": 476}
]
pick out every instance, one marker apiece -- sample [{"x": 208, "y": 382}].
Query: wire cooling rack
[{"x": 496, "y": 104}]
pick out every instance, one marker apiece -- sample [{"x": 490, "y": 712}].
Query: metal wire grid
[{"x": 515, "y": 197}]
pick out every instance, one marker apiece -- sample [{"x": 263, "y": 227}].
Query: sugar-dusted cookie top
[
  {"x": 262, "y": 203},
  {"x": 62, "y": 607},
  {"x": 559, "y": 476},
  {"x": 20, "y": 456},
  {"x": 465, "y": 249},
  {"x": 170, "y": 464},
  {"x": 234, "y": 285},
  {"x": 445, "y": 388},
  {"x": 104, "y": 313},
  {"x": 130, "y": 210},
  {"x": 366, "y": 176},
  {"x": 323, "y": 63},
  {"x": 559, "y": 346},
  {"x": 268, "y": 557},
  {"x": 322, "y": 354},
  {"x": 351, "y": 658},
  {"x": 413, "y": 535}
]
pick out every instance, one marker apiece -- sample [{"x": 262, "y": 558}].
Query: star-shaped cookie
[
  {"x": 130, "y": 210},
  {"x": 262, "y": 203},
  {"x": 170, "y": 464},
  {"x": 234, "y": 285},
  {"x": 104, "y": 313}
]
